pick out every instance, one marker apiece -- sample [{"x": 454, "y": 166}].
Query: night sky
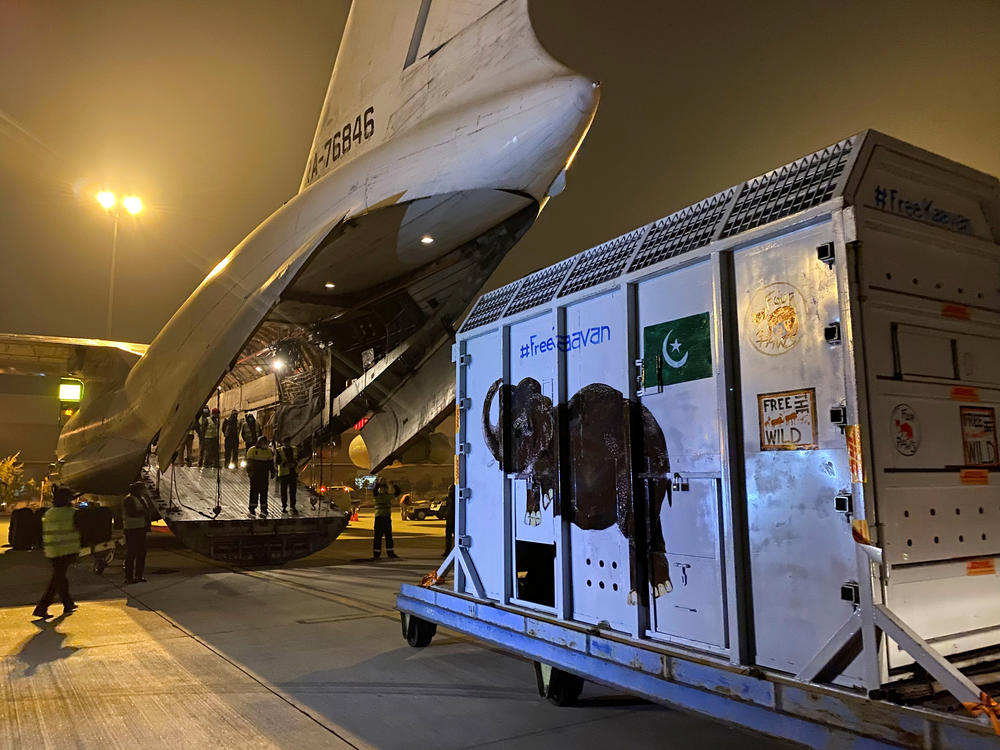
[{"x": 207, "y": 109}]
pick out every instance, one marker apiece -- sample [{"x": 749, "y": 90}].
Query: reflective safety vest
[
  {"x": 251, "y": 432},
  {"x": 134, "y": 513},
  {"x": 212, "y": 429},
  {"x": 383, "y": 504},
  {"x": 259, "y": 463},
  {"x": 59, "y": 536},
  {"x": 286, "y": 461}
]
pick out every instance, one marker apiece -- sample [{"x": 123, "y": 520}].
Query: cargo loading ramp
[{"x": 188, "y": 498}]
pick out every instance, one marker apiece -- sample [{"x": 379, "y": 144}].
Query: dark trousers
[
  {"x": 232, "y": 451},
  {"x": 383, "y": 527},
  {"x": 135, "y": 554},
  {"x": 58, "y": 584},
  {"x": 210, "y": 453},
  {"x": 188, "y": 449},
  {"x": 288, "y": 484},
  {"x": 258, "y": 492}
]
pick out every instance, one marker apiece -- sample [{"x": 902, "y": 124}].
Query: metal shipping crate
[{"x": 760, "y": 432}]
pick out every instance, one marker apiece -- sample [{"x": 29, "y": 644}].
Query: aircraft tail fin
[{"x": 381, "y": 45}]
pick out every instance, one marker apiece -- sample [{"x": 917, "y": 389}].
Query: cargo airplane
[{"x": 446, "y": 127}]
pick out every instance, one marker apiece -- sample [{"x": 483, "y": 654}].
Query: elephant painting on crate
[{"x": 600, "y": 426}]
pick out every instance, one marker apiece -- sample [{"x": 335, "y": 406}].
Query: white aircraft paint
[{"x": 481, "y": 107}]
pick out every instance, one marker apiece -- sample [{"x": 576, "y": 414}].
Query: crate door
[
  {"x": 595, "y": 344},
  {"x": 680, "y": 457},
  {"x": 482, "y": 508},
  {"x": 792, "y": 381},
  {"x": 532, "y": 455}
]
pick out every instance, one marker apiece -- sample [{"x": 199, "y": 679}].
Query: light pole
[{"x": 133, "y": 204}]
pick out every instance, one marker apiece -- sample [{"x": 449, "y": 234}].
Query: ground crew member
[
  {"x": 383, "y": 522},
  {"x": 211, "y": 452},
  {"x": 188, "y": 451},
  {"x": 260, "y": 467},
  {"x": 231, "y": 435},
  {"x": 250, "y": 431},
  {"x": 201, "y": 424},
  {"x": 135, "y": 521},
  {"x": 61, "y": 540},
  {"x": 288, "y": 476}
]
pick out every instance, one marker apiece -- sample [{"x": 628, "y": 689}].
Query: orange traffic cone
[{"x": 354, "y": 514}]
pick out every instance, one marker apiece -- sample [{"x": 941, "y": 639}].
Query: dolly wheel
[
  {"x": 558, "y": 687},
  {"x": 101, "y": 561},
  {"x": 418, "y": 633}
]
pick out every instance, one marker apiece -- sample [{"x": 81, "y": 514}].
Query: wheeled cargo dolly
[
  {"x": 744, "y": 459},
  {"x": 102, "y": 553}
]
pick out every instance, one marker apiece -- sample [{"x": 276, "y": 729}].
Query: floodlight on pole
[{"x": 109, "y": 202}]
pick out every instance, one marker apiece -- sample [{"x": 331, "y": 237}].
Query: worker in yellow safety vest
[
  {"x": 260, "y": 468},
  {"x": 135, "y": 521},
  {"x": 211, "y": 440},
  {"x": 383, "y": 521},
  {"x": 61, "y": 540}
]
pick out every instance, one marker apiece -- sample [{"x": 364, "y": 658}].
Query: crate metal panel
[
  {"x": 483, "y": 509},
  {"x": 601, "y": 263},
  {"x": 687, "y": 612},
  {"x": 490, "y": 306},
  {"x": 792, "y": 188},
  {"x": 540, "y": 287},
  {"x": 599, "y": 558},
  {"x": 801, "y": 550},
  {"x": 686, "y": 230},
  {"x": 676, "y": 337},
  {"x": 926, "y": 352},
  {"x": 533, "y": 372},
  {"x": 953, "y": 610},
  {"x": 685, "y": 409}
]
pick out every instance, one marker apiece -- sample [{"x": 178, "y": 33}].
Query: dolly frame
[{"x": 816, "y": 716}]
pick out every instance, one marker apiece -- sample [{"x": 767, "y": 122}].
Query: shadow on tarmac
[{"x": 44, "y": 647}]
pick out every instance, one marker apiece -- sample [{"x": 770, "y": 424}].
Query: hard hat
[{"x": 215, "y": 411}]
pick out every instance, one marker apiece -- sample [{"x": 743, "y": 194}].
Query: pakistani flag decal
[{"x": 677, "y": 351}]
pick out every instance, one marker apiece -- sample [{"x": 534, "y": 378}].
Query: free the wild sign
[{"x": 788, "y": 420}]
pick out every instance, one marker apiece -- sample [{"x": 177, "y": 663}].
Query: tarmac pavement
[{"x": 309, "y": 654}]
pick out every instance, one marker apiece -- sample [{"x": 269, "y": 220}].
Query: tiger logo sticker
[{"x": 772, "y": 321}]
